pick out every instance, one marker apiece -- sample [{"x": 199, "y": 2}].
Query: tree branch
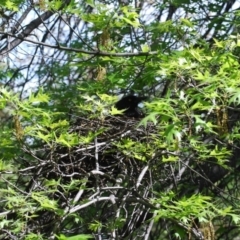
[{"x": 20, "y": 38}]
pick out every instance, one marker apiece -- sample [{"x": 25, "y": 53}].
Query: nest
[{"x": 100, "y": 171}]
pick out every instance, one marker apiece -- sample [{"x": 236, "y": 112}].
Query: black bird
[{"x": 130, "y": 103}]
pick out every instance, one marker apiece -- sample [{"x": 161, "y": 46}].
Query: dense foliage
[{"x": 75, "y": 164}]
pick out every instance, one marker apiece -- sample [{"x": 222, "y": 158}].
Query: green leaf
[
  {"x": 95, "y": 226},
  {"x": 115, "y": 111},
  {"x": 11, "y": 5},
  {"x": 149, "y": 118},
  {"x": 76, "y": 237},
  {"x": 44, "y": 201},
  {"x": 45, "y": 137},
  {"x": 170, "y": 158},
  {"x": 145, "y": 48},
  {"x": 69, "y": 139},
  {"x": 132, "y": 23},
  {"x": 107, "y": 98},
  {"x": 186, "y": 22},
  {"x": 39, "y": 98},
  {"x": 171, "y": 132},
  {"x": 236, "y": 97}
]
